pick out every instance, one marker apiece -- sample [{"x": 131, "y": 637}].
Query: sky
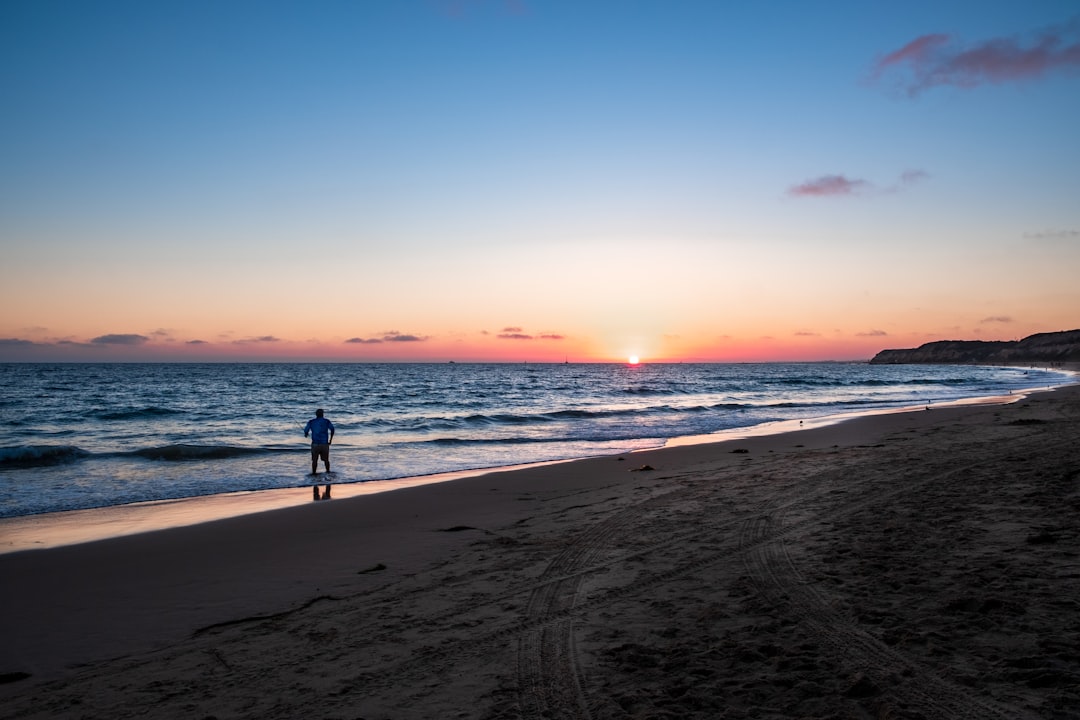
[{"x": 534, "y": 181}]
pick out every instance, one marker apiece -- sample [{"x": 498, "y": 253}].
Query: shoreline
[
  {"x": 917, "y": 564},
  {"x": 48, "y": 530},
  {"x": 71, "y": 527}
]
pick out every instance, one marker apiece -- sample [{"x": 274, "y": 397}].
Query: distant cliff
[{"x": 1040, "y": 348}]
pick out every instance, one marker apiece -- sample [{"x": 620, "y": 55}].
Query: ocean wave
[
  {"x": 586, "y": 414},
  {"x": 943, "y": 381},
  {"x": 38, "y": 455},
  {"x": 517, "y": 419},
  {"x": 917, "y": 381},
  {"x": 821, "y": 382},
  {"x": 502, "y": 419},
  {"x": 836, "y": 404},
  {"x": 513, "y": 419},
  {"x": 651, "y": 390},
  {"x": 803, "y": 382},
  {"x": 643, "y": 411},
  {"x": 477, "y": 421},
  {"x": 179, "y": 453},
  {"x": 377, "y": 423},
  {"x": 135, "y": 413},
  {"x": 553, "y": 440}
]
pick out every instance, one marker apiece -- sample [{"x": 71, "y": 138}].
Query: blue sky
[{"x": 698, "y": 180}]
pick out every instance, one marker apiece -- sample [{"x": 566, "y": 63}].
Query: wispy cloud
[
  {"x": 513, "y": 332},
  {"x": 912, "y": 177},
  {"x": 829, "y": 185},
  {"x": 255, "y": 340},
  {"x": 806, "y": 333},
  {"x": 1053, "y": 235},
  {"x": 517, "y": 333},
  {"x": 841, "y": 185},
  {"x": 872, "y": 333},
  {"x": 119, "y": 339},
  {"x": 938, "y": 59},
  {"x": 996, "y": 319},
  {"x": 395, "y": 336},
  {"x": 388, "y": 336},
  {"x": 16, "y": 342}
]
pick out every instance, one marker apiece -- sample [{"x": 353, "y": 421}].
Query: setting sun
[{"x": 633, "y": 360}]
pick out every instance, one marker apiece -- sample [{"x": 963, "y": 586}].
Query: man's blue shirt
[{"x": 320, "y": 429}]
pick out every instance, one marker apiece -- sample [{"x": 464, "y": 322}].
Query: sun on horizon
[{"x": 633, "y": 360}]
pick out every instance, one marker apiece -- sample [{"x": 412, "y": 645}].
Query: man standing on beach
[{"x": 322, "y": 434}]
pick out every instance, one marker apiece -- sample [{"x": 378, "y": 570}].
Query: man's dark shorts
[{"x": 320, "y": 451}]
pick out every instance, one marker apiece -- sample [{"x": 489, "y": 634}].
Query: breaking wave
[
  {"x": 179, "y": 453},
  {"x": 136, "y": 413},
  {"x": 40, "y": 455}
]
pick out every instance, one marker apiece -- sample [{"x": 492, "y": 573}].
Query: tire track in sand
[
  {"x": 549, "y": 678},
  {"x": 902, "y": 679},
  {"x": 549, "y": 682}
]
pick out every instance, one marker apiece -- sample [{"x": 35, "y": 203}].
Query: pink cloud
[
  {"x": 937, "y": 59},
  {"x": 829, "y": 185},
  {"x": 832, "y": 185},
  {"x": 918, "y": 52}
]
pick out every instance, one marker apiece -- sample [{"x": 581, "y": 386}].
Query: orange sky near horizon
[
  {"x": 500, "y": 344},
  {"x": 598, "y": 301}
]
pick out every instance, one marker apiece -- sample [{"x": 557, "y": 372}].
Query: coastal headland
[
  {"x": 908, "y": 565},
  {"x": 1054, "y": 348}
]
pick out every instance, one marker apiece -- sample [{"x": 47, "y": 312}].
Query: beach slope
[{"x": 913, "y": 565}]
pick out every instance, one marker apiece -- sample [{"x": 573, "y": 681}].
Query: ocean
[{"x": 76, "y": 436}]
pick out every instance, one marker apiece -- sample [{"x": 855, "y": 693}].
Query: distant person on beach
[{"x": 322, "y": 434}]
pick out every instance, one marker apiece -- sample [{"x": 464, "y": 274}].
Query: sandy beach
[{"x": 911, "y": 565}]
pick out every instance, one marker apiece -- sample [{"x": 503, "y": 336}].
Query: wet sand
[{"x": 915, "y": 565}]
